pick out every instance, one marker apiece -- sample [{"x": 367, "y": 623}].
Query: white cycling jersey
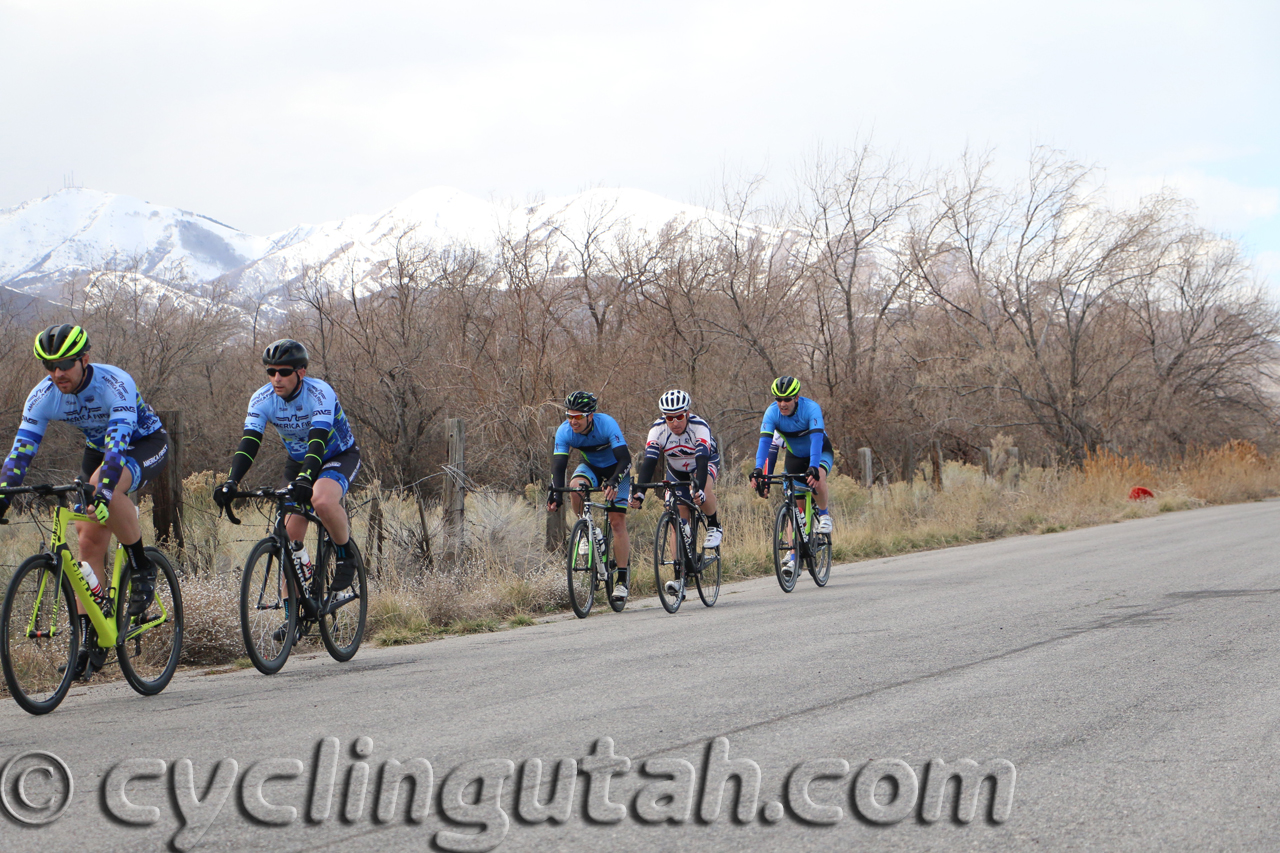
[{"x": 681, "y": 450}]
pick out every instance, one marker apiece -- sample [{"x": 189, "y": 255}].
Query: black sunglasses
[
  {"x": 283, "y": 371},
  {"x": 64, "y": 364},
  {"x": 786, "y": 399}
]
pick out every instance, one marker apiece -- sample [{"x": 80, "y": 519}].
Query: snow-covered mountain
[{"x": 74, "y": 231}]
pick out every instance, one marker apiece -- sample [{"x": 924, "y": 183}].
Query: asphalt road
[{"x": 1126, "y": 675}]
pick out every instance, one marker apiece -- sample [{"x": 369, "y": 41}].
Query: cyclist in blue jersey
[
  {"x": 323, "y": 456},
  {"x": 607, "y": 461},
  {"x": 125, "y": 449},
  {"x": 798, "y": 421}
]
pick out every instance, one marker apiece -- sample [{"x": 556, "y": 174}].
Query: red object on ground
[{"x": 1140, "y": 493}]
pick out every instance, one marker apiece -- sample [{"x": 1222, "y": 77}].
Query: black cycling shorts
[{"x": 145, "y": 459}]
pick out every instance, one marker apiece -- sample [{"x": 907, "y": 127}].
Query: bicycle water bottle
[
  {"x": 599, "y": 544},
  {"x": 91, "y": 578},
  {"x": 303, "y": 561},
  {"x": 688, "y": 535}
]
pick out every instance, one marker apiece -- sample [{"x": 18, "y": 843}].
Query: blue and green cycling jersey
[
  {"x": 313, "y": 406},
  {"x": 108, "y": 409},
  {"x": 597, "y": 445},
  {"x": 803, "y": 432}
]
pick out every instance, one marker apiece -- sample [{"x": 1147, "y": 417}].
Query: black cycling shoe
[
  {"x": 142, "y": 589},
  {"x": 346, "y": 568},
  {"x": 281, "y": 632},
  {"x": 88, "y": 661}
]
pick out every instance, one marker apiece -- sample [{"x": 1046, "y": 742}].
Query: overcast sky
[{"x": 267, "y": 114}]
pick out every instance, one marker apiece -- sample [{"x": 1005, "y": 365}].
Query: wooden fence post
[
  {"x": 1015, "y": 465},
  {"x": 555, "y": 520},
  {"x": 455, "y": 490},
  {"x": 935, "y": 461},
  {"x": 908, "y": 462},
  {"x": 864, "y": 462},
  {"x": 166, "y": 493},
  {"x": 987, "y": 470},
  {"x": 375, "y": 535}
]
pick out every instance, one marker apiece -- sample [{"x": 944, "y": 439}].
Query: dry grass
[{"x": 504, "y": 577}]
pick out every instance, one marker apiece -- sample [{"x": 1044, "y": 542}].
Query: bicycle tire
[
  {"x": 30, "y": 664},
  {"x": 819, "y": 558},
  {"x": 262, "y": 603},
  {"x": 611, "y": 570},
  {"x": 666, "y": 561},
  {"x": 148, "y": 650},
  {"x": 343, "y": 613},
  {"x": 708, "y": 576},
  {"x": 784, "y": 542},
  {"x": 581, "y": 570}
]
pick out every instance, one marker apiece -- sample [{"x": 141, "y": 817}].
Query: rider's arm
[
  {"x": 120, "y": 428},
  {"x": 702, "y": 460},
  {"x": 317, "y": 439},
  {"x": 623, "y": 455},
  {"x": 815, "y": 448},
  {"x": 243, "y": 460},
  {"x": 25, "y": 444},
  {"x": 324, "y": 404},
  {"x": 646, "y": 473},
  {"x": 559, "y": 464},
  {"x": 762, "y": 450}
]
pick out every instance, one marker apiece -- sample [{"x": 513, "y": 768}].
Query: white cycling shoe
[
  {"x": 714, "y": 535},
  {"x": 788, "y": 567},
  {"x": 673, "y": 588},
  {"x": 619, "y": 593},
  {"x": 824, "y": 524}
]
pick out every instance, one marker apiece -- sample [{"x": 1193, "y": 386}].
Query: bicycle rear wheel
[
  {"x": 39, "y": 633},
  {"x": 342, "y": 614},
  {"x": 819, "y": 558},
  {"x": 264, "y": 590},
  {"x": 149, "y": 645},
  {"x": 581, "y": 570},
  {"x": 666, "y": 562},
  {"x": 708, "y": 576},
  {"x": 785, "y": 542}
]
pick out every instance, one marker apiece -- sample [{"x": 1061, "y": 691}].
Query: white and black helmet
[{"x": 674, "y": 400}]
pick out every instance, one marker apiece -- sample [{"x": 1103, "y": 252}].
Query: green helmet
[
  {"x": 786, "y": 386},
  {"x": 58, "y": 342}
]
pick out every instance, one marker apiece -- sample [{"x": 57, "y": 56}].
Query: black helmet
[
  {"x": 581, "y": 401},
  {"x": 286, "y": 351},
  {"x": 786, "y": 386},
  {"x": 58, "y": 342}
]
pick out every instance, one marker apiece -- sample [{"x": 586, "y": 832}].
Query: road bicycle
[
  {"x": 40, "y": 628},
  {"x": 811, "y": 549},
  {"x": 590, "y": 564},
  {"x": 676, "y": 555},
  {"x": 274, "y": 615}
]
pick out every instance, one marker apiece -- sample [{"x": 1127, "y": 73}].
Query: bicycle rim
[
  {"x": 342, "y": 613},
  {"x": 708, "y": 579},
  {"x": 581, "y": 571},
  {"x": 666, "y": 561},
  {"x": 39, "y": 632},
  {"x": 149, "y": 645},
  {"x": 262, "y": 608},
  {"x": 784, "y": 542}
]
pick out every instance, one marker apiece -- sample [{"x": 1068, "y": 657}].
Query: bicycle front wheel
[
  {"x": 149, "y": 645},
  {"x": 708, "y": 576},
  {"x": 666, "y": 562},
  {"x": 342, "y": 614},
  {"x": 266, "y": 622},
  {"x": 39, "y": 635},
  {"x": 581, "y": 570},
  {"x": 785, "y": 542}
]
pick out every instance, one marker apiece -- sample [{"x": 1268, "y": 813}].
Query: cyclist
[
  {"x": 691, "y": 454},
  {"x": 323, "y": 456},
  {"x": 606, "y": 460},
  {"x": 795, "y": 419},
  {"x": 126, "y": 447}
]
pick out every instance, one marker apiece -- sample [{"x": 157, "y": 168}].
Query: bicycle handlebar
[
  {"x": 79, "y": 486},
  {"x": 264, "y": 492}
]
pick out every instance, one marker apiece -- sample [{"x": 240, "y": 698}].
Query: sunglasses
[
  {"x": 64, "y": 364},
  {"x": 678, "y": 417},
  {"x": 283, "y": 371},
  {"x": 573, "y": 417},
  {"x": 786, "y": 399}
]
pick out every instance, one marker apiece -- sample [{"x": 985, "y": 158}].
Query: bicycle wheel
[
  {"x": 581, "y": 573},
  {"x": 611, "y": 570},
  {"x": 39, "y": 633},
  {"x": 263, "y": 612},
  {"x": 708, "y": 576},
  {"x": 666, "y": 562},
  {"x": 149, "y": 645},
  {"x": 785, "y": 542},
  {"x": 819, "y": 558},
  {"x": 342, "y": 614}
]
